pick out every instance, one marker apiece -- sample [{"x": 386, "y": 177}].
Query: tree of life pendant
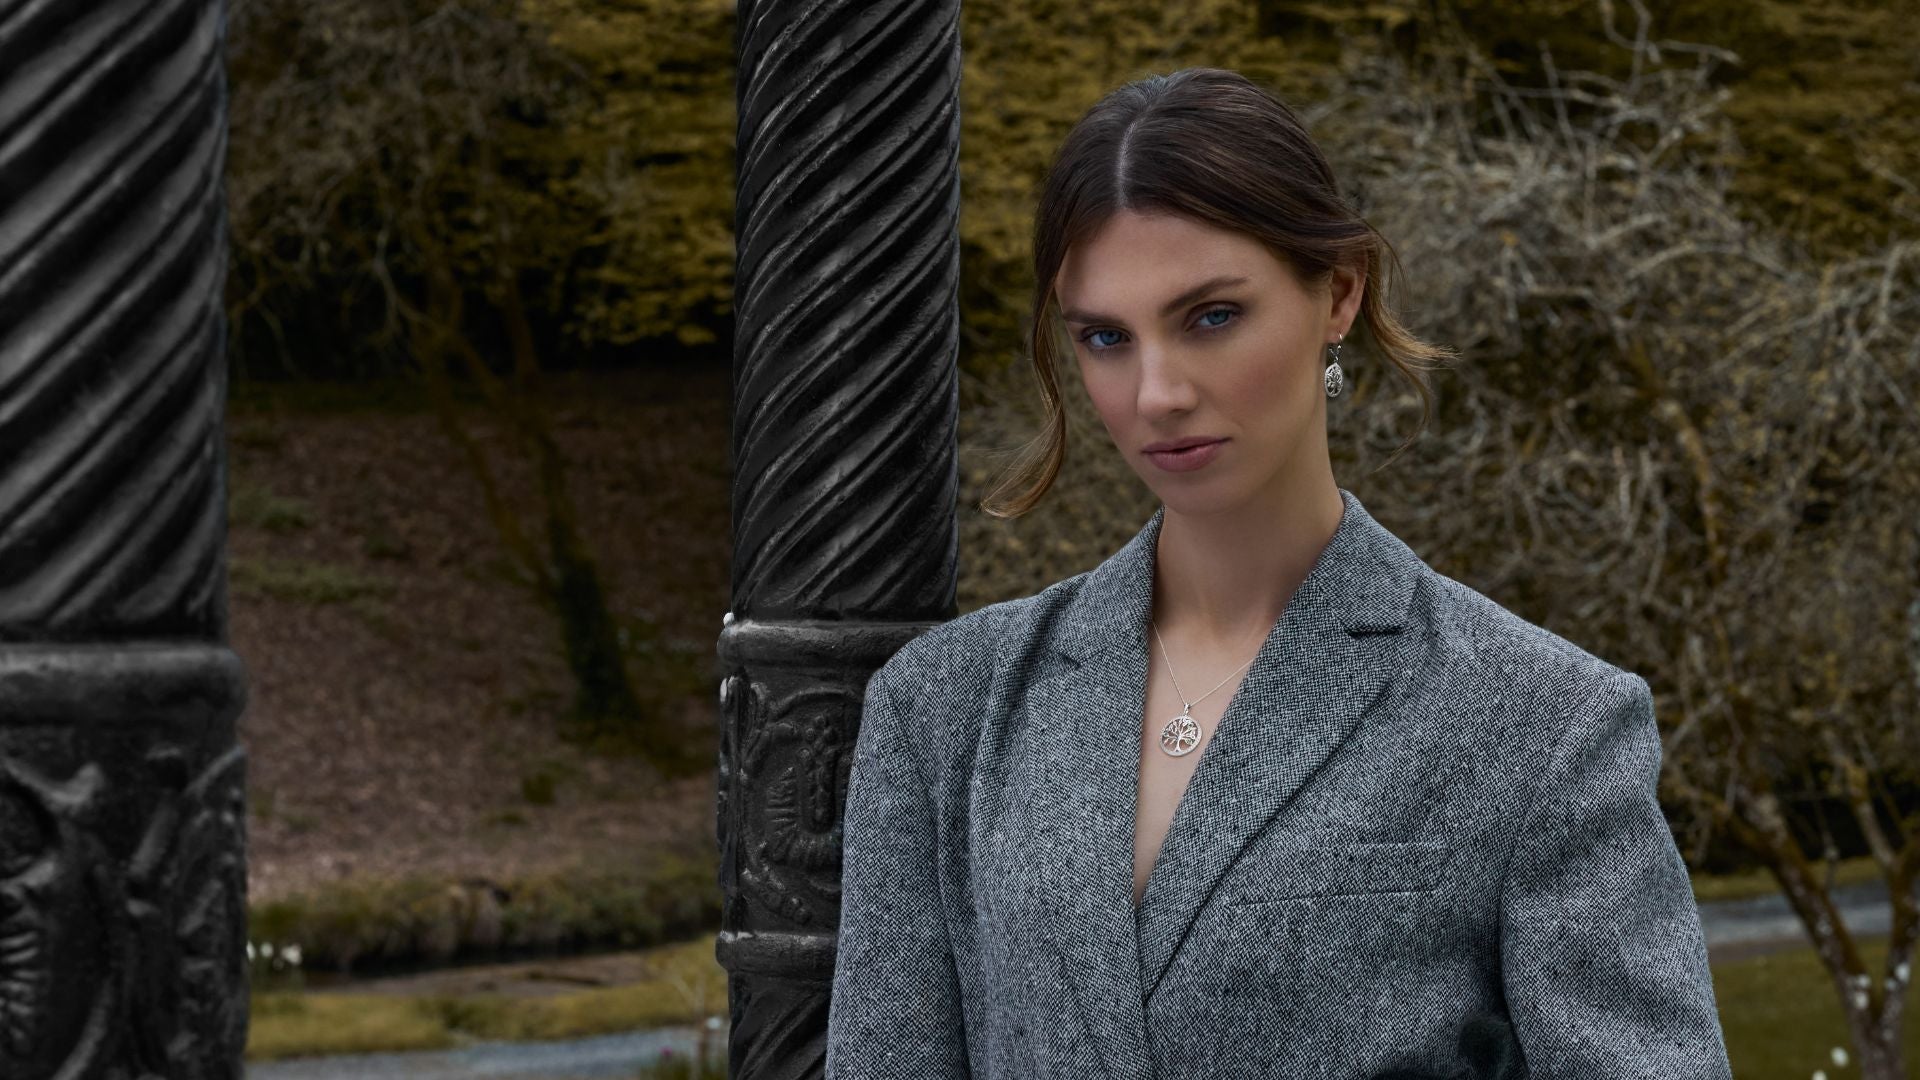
[{"x": 1181, "y": 735}]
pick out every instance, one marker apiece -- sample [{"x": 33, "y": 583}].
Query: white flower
[
  {"x": 1840, "y": 1056},
  {"x": 250, "y": 950},
  {"x": 1860, "y": 999},
  {"x": 1900, "y": 973},
  {"x": 266, "y": 949},
  {"x": 292, "y": 953},
  {"x": 713, "y": 1023},
  {"x": 1819, "y": 1075}
]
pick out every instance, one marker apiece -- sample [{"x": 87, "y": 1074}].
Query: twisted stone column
[
  {"x": 122, "y": 801},
  {"x": 845, "y": 405}
]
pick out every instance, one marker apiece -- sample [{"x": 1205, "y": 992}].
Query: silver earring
[{"x": 1335, "y": 378}]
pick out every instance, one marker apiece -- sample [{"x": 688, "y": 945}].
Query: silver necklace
[{"x": 1182, "y": 733}]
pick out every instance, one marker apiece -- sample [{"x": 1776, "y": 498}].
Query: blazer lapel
[{"x": 1335, "y": 650}]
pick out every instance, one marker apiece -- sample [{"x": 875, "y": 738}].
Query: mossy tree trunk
[{"x": 553, "y": 557}]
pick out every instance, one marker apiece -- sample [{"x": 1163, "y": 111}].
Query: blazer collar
[
  {"x": 1334, "y": 652},
  {"x": 1363, "y": 580}
]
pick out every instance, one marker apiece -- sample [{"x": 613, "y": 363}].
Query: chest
[{"x": 1164, "y": 775}]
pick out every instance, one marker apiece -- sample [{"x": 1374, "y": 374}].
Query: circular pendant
[{"x": 1181, "y": 735}]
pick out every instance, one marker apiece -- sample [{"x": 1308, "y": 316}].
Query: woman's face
[{"x": 1183, "y": 330}]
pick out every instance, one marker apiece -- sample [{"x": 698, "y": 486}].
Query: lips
[
  {"x": 1181, "y": 444},
  {"x": 1196, "y": 455}
]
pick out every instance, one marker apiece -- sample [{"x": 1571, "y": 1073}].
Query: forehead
[{"x": 1141, "y": 258}]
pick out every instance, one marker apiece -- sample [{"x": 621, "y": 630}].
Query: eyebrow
[{"x": 1172, "y": 307}]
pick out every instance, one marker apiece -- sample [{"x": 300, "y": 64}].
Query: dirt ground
[{"x": 402, "y": 684}]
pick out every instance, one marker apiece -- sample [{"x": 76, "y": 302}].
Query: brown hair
[{"x": 1213, "y": 146}]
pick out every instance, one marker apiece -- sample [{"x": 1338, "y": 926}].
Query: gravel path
[{"x": 1736, "y": 928}]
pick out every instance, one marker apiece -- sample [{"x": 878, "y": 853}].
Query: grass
[
  {"x": 1782, "y": 1016},
  {"x": 684, "y": 984},
  {"x": 289, "y": 1023},
  {"x": 374, "y": 923},
  {"x": 1778, "y": 1011},
  {"x": 303, "y": 581},
  {"x": 683, "y": 1070},
  {"x": 250, "y": 504}
]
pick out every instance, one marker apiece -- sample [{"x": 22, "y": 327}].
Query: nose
[{"x": 1165, "y": 386}]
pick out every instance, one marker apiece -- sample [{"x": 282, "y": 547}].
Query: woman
[{"x": 1262, "y": 795}]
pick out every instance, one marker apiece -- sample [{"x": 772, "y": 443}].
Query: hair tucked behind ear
[{"x": 1213, "y": 146}]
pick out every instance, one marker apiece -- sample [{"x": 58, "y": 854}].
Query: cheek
[
  {"x": 1262, "y": 382},
  {"x": 1111, "y": 397}
]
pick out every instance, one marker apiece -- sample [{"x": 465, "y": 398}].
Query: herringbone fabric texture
[{"x": 1422, "y": 841}]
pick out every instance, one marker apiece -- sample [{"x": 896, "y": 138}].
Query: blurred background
[{"x": 479, "y": 306}]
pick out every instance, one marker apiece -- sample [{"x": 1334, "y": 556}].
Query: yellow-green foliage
[
  {"x": 625, "y": 201},
  {"x": 656, "y": 158},
  {"x": 1819, "y": 95},
  {"x": 1823, "y": 96}
]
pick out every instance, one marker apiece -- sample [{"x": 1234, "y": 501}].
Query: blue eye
[{"x": 1204, "y": 326}]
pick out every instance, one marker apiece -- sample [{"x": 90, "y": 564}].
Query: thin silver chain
[{"x": 1168, "y": 658}]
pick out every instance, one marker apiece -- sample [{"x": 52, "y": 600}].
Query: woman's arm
[
  {"x": 1604, "y": 961},
  {"x": 895, "y": 1010}
]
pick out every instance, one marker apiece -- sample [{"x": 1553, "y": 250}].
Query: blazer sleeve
[
  {"x": 1603, "y": 958},
  {"x": 895, "y": 1008}
]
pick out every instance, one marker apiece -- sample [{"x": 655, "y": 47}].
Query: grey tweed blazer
[{"x": 1418, "y": 810}]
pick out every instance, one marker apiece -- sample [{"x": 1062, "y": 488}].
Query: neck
[{"x": 1226, "y": 577}]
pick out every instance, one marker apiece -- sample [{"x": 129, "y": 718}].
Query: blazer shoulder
[
  {"x": 951, "y": 674},
  {"x": 967, "y": 649},
  {"x": 1520, "y": 687}
]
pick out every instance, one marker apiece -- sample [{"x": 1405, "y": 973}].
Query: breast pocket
[
  {"x": 1329, "y": 938},
  {"x": 1339, "y": 870}
]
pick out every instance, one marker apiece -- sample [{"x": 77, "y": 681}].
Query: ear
[{"x": 1348, "y": 287}]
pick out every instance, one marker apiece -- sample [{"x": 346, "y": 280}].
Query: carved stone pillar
[
  {"x": 122, "y": 799},
  {"x": 845, "y": 405}
]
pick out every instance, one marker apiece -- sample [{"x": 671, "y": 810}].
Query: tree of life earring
[{"x": 1334, "y": 376}]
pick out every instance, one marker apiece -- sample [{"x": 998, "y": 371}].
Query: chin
[{"x": 1201, "y": 500}]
